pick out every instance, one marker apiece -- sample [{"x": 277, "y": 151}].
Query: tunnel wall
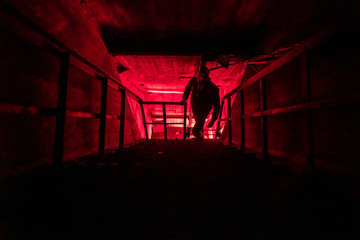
[
  {"x": 30, "y": 69},
  {"x": 328, "y": 133}
]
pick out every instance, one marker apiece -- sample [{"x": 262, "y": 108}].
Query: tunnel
[{"x": 96, "y": 142}]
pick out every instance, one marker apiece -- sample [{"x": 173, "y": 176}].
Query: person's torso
[{"x": 203, "y": 96}]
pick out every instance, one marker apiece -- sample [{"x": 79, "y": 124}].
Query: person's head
[{"x": 203, "y": 75}]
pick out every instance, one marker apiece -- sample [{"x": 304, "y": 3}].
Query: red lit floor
[{"x": 178, "y": 190}]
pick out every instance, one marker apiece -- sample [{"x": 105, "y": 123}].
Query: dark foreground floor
[{"x": 179, "y": 190}]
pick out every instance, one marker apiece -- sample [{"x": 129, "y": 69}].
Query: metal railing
[
  {"x": 65, "y": 54},
  {"x": 307, "y": 104},
  {"x": 142, "y": 103}
]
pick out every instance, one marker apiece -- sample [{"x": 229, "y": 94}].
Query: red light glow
[{"x": 165, "y": 91}]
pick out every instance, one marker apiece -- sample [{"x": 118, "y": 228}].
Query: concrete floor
[{"x": 179, "y": 190}]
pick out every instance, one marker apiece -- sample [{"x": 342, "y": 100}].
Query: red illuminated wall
[{"x": 30, "y": 73}]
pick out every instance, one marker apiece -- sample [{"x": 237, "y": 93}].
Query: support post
[
  {"x": 229, "y": 121},
  {"x": 61, "y": 111},
  {"x": 144, "y": 121},
  {"x": 104, "y": 85},
  {"x": 308, "y": 122},
  {"x": 218, "y": 124},
  {"x": 185, "y": 110},
  {"x": 122, "y": 118},
  {"x": 164, "y": 116},
  {"x": 242, "y": 112},
  {"x": 262, "y": 86}
]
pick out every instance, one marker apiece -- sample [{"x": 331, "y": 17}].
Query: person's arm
[{"x": 188, "y": 90}]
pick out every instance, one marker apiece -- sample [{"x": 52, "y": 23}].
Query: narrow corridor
[{"x": 179, "y": 190}]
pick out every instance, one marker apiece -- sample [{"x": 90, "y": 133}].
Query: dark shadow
[{"x": 242, "y": 42}]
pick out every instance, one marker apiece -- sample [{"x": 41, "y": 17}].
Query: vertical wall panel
[
  {"x": 81, "y": 137},
  {"x": 112, "y": 129},
  {"x": 253, "y": 135},
  {"x": 133, "y": 121},
  {"x": 29, "y": 75},
  {"x": 236, "y": 123},
  {"x": 334, "y": 73},
  {"x": 286, "y": 138},
  {"x": 253, "y": 139},
  {"x": 24, "y": 141},
  {"x": 84, "y": 92},
  {"x": 283, "y": 86}
]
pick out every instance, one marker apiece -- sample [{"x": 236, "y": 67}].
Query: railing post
[
  {"x": 263, "y": 118},
  {"x": 218, "y": 124},
  {"x": 104, "y": 85},
  {"x": 122, "y": 118},
  {"x": 144, "y": 121},
  {"x": 242, "y": 112},
  {"x": 164, "y": 116},
  {"x": 61, "y": 111},
  {"x": 185, "y": 110},
  {"x": 229, "y": 121},
  {"x": 306, "y": 95}
]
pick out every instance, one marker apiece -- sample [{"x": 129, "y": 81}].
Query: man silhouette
[{"x": 204, "y": 96}]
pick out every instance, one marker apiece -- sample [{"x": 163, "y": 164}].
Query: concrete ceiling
[
  {"x": 162, "y": 41},
  {"x": 245, "y": 27},
  {"x": 172, "y": 73}
]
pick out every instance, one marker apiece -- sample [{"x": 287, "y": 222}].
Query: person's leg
[{"x": 198, "y": 127}]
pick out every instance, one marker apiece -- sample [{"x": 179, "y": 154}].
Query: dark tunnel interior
[{"x": 96, "y": 142}]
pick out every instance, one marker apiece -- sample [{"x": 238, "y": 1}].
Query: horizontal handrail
[
  {"x": 35, "y": 110},
  {"x": 169, "y": 116},
  {"x": 21, "y": 109},
  {"x": 162, "y": 123},
  {"x": 299, "y": 107},
  {"x": 160, "y": 103},
  {"x": 90, "y": 115}
]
